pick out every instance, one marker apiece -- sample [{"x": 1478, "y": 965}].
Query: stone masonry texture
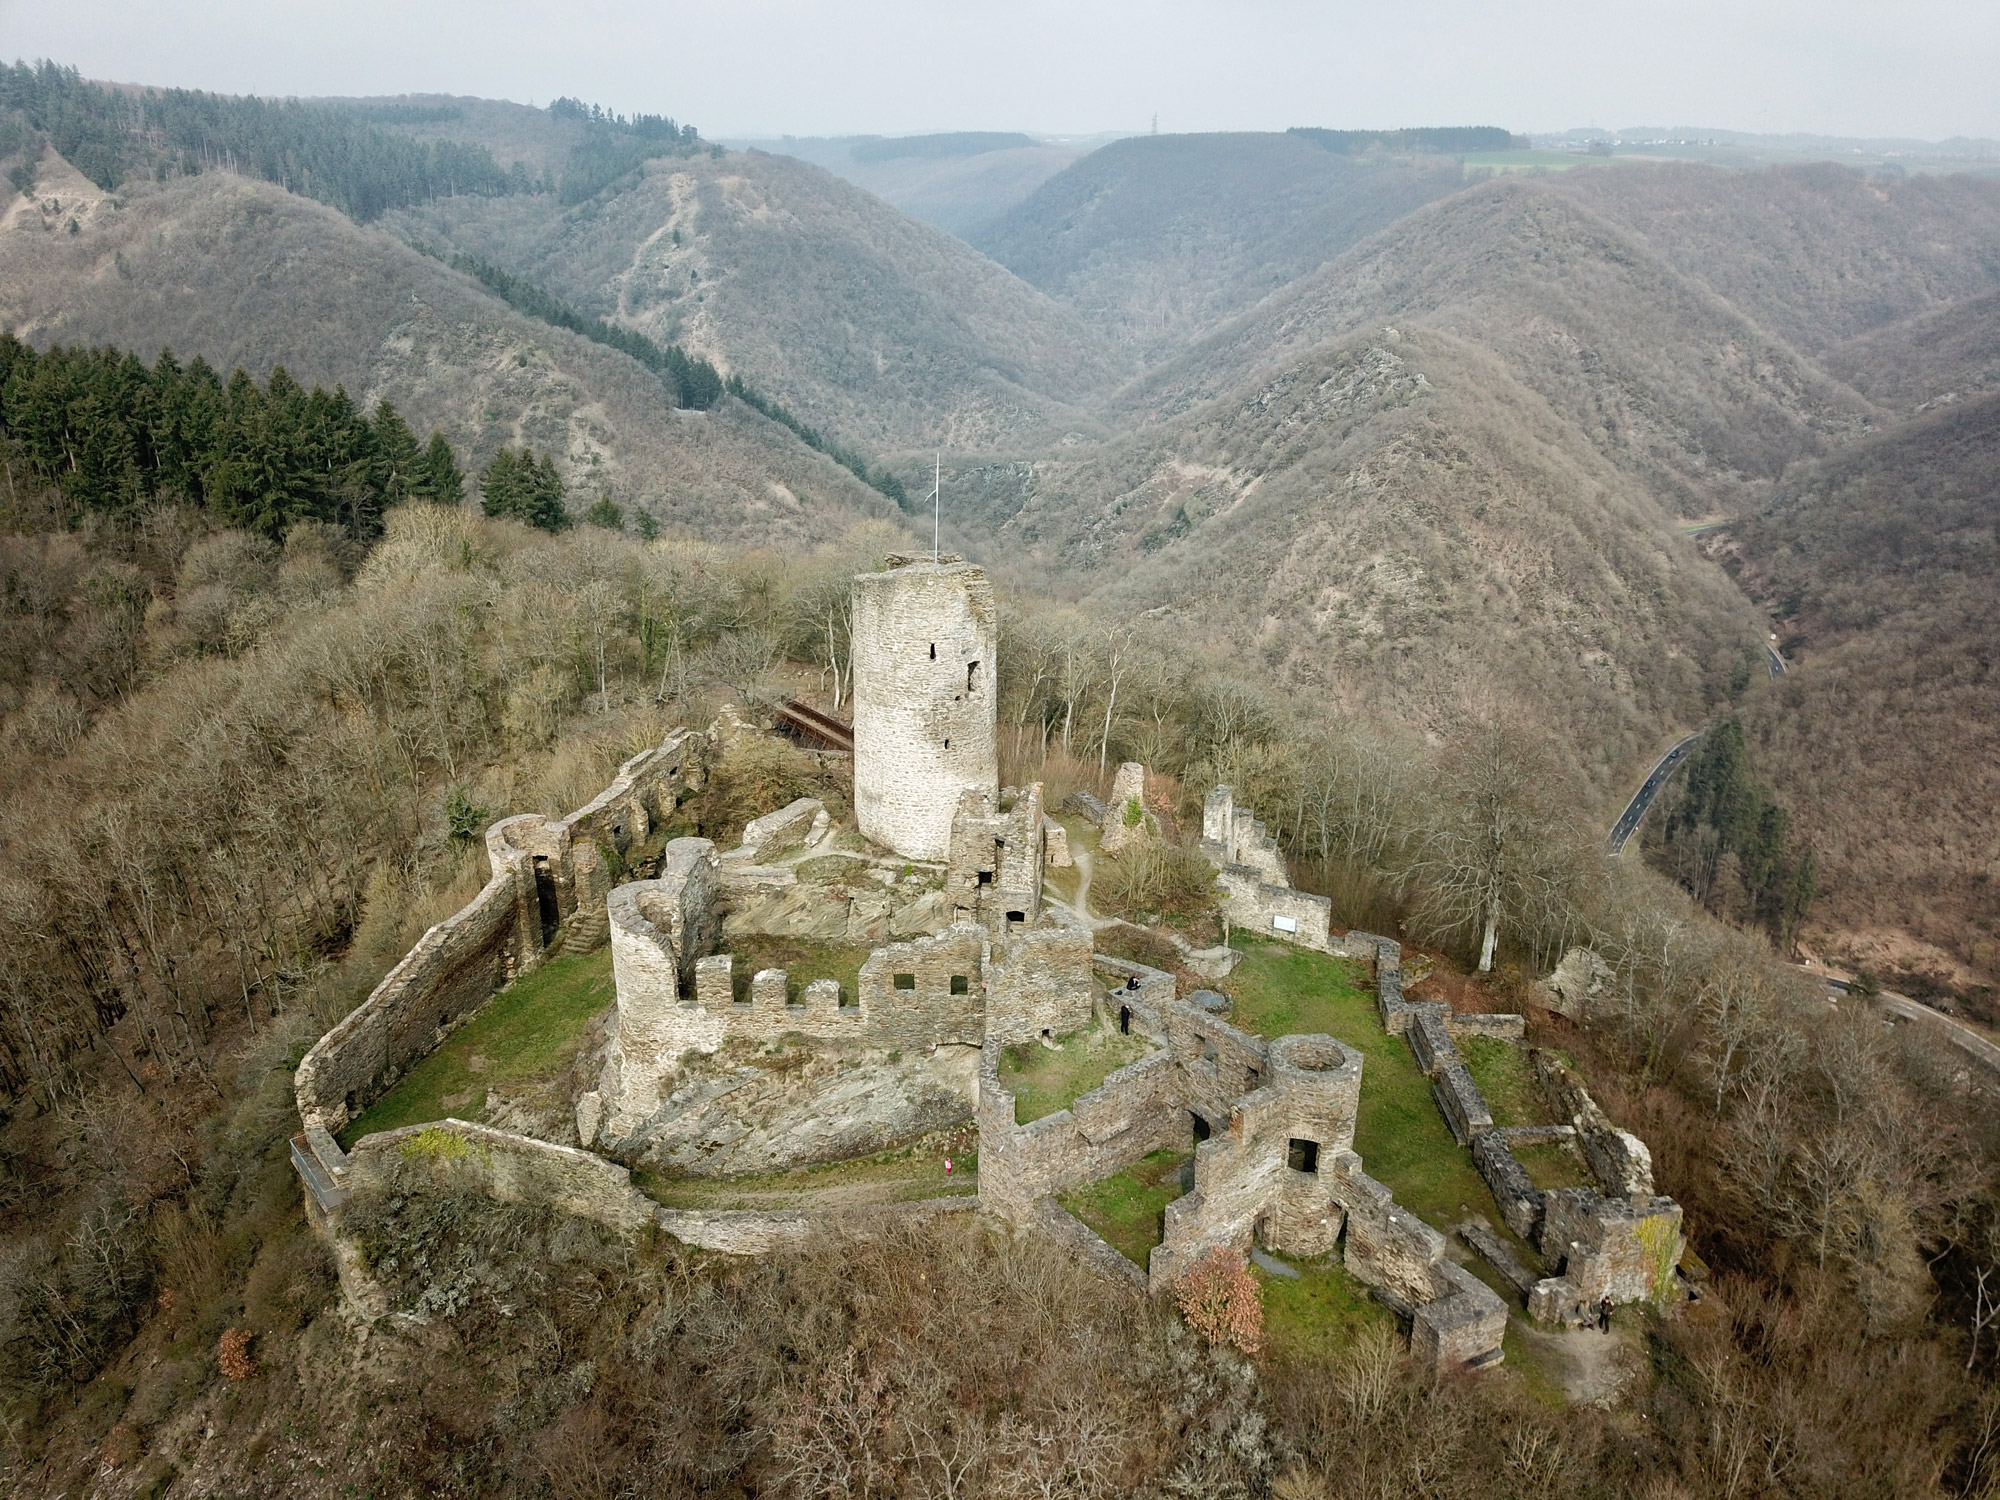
[{"x": 925, "y": 640}]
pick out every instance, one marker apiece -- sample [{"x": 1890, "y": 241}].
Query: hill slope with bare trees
[
  {"x": 1883, "y": 565},
  {"x": 241, "y": 272}
]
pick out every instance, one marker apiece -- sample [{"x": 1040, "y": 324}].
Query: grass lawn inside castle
[
  {"x": 1401, "y": 1137},
  {"x": 531, "y": 1029},
  {"x": 1127, "y": 1209},
  {"x": 1044, "y": 1079}
]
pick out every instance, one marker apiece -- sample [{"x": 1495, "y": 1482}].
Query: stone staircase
[{"x": 585, "y": 932}]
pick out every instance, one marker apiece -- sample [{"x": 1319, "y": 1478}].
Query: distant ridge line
[{"x": 1444, "y": 140}]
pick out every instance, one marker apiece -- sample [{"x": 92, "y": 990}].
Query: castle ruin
[{"x": 980, "y": 962}]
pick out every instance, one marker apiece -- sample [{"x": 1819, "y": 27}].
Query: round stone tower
[{"x": 924, "y": 643}]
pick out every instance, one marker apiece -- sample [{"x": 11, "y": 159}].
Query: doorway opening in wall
[
  {"x": 1200, "y": 1126},
  {"x": 548, "y": 907},
  {"x": 1125, "y": 1020},
  {"x": 1302, "y": 1156}
]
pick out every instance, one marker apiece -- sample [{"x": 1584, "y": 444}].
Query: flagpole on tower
[{"x": 937, "y": 502}]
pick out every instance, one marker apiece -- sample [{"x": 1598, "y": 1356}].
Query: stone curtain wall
[
  {"x": 955, "y": 988},
  {"x": 1039, "y": 982},
  {"x": 925, "y": 638},
  {"x": 1136, "y": 1111},
  {"x": 454, "y": 969},
  {"x": 1257, "y": 891},
  {"x": 459, "y": 964},
  {"x": 453, "y": 1156}
]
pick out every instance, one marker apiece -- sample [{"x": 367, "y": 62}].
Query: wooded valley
[{"x": 375, "y": 469}]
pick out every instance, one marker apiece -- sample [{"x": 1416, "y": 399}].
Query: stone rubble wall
[
  {"x": 1458, "y": 1099},
  {"x": 454, "y": 969},
  {"x": 1134, "y": 1112},
  {"x": 993, "y": 873},
  {"x": 1231, "y": 836},
  {"x": 1245, "y": 1185},
  {"x": 1128, "y": 788},
  {"x": 1499, "y": 1028},
  {"x": 1618, "y": 1240},
  {"x": 455, "y": 1156},
  {"x": 746, "y": 1231},
  {"x": 458, "y": 965},
  {"x": 1620, "y": 1160},
  {"x": 1256, "y": 905},
  {"x": 1221, "y": 1062},
  {"x": 1039, "y": 983}
]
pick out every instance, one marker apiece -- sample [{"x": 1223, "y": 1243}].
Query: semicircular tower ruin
[{"x": 925, "y": 636}]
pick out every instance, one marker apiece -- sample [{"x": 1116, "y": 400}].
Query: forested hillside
[
  {"x": 1882, "y": 567},
  {"x": 1154, "y": 240},
  {"x": 1669, "y": 382},
  {"x": 891, "y": 335},
  {"x": 1813, "y": 254},
  {"x": 240, "y": 272},
  {"x": 1392, "y": 522},
  {"x": 959, "y": 182}
]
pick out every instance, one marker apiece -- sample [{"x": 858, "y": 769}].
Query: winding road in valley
[{"x": 1635, "y": 810}]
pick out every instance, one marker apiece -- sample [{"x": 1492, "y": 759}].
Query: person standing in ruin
[{"x": 1604, "y": 1316}]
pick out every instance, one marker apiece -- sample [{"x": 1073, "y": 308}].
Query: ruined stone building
[
  {"x": 925, "y": 642},
  {"x": 965, "y": 961},
  {"x": 998, "y": 850}
]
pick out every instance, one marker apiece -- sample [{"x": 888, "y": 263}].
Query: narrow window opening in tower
[
  {"x": 933, "y": 650},
  {"x": 972, "y": 677},
  {"x": 947, "y": 744}
]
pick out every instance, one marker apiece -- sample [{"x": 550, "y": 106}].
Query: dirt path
[{"x": 1592, "y": 1368}]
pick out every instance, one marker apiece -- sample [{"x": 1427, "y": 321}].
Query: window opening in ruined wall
[
  {"x": 960, "y": 984},
  {"x": 971, "y": 677},
  {"x": 1302, "y": 1156},
  {"x": 906, "y": 981},
  {"x": 1200, "y": 1126}
]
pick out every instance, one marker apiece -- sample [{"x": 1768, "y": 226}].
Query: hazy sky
[{"x": 1926, "y": 68}]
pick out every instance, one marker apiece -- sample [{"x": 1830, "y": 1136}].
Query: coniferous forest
[
  {"x": 339, "y": 155},
  {"x": 112, "y": 437}
]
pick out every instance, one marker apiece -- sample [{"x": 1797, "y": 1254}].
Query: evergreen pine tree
[
  {"x": 443, "y": 484},
  {"x": 549, "y": 512},
  {"x": 500, "y": 486},
  {"x": 399, "y": 461}
]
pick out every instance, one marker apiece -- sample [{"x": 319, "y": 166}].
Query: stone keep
[{"x": 924, "y": 655}]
